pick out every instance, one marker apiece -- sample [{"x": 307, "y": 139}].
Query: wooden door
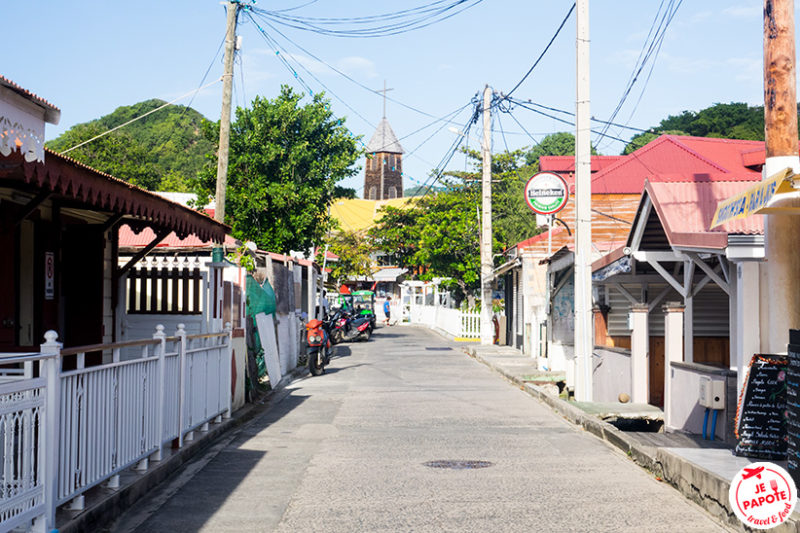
[{"x": 657, "y": 371}]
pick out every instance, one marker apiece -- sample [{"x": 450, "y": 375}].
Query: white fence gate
[{"x": 67, "y": 431}]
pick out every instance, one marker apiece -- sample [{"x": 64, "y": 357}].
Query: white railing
[
  {"x": 98, "y": 421},
  {"x": 459, "y": 323},
  {"x": 25, "y": 428}
]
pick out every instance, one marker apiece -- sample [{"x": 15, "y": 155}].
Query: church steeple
[{"x": 383, "y": 169}]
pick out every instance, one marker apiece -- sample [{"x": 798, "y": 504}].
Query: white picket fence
[
  {"x": 65, "y": 432},
  {"x": 459, "y": 323}
]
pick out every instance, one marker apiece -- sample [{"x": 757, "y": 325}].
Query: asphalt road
[{"x": 347, "y": 452}]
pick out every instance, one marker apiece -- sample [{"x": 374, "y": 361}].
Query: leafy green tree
[
  {"x": 354, "y": 255},
  {"x": 285, "y": 161},
  {"x": 117, "y": 153},
  {"x": 449, "y": 239},
  {"x": 397, "y": 233},
  {"x": 162, "y": 151}
]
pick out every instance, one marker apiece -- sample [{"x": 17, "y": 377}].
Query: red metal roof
[
  {"x": 566, "y": 163},
  {"x": 687, "y": 208},
  {"x": 129, "y": 239},
  {"x": 679, "y": 158}
]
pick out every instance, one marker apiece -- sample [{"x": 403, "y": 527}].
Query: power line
[
  {"x": 546, "y": 48},
  {"x": 140, "y": 116}
]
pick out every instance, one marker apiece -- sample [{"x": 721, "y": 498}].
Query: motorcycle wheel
[
  {"x": 314, "y": 365},
  {"x": 336, "y": 338},
  {"x": 367, "y": 334}
]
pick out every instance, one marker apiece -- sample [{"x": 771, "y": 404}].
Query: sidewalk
[{"x": 700, "y": 470}]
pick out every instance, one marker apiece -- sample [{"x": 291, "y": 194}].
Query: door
[
  {"x": 82, "y": 285},
  {"x": 8, "y": 277},
  {"x": 657, "y": 371}
]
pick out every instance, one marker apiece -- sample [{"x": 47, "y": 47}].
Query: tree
[
  {"x": 162, "y": 151},
  {"x": 117, "y": 153},
  {"x": 397, "y": 234},
  {"x": 449, "y": 239},
  {"x": 284, "y": 163},
  {"x": 354, "y": 255}
]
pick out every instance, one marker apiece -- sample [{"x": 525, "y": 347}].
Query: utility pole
[
  {"x": 583, "y": 211},
  {"x": 225, "y": 118},
  {"x": 781, "y": 232},
  {"x": 487, "y": 331}
]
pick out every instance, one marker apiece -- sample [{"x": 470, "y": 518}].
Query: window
[
  {"x": 392, "y": 192},
  {"x": 373, "y": 193}
]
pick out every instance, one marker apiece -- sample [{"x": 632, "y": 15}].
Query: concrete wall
[
  {"x": 686, "y": 413},
  {"x": 612, "y": 374},
  {"x": 559, "y": 354}
]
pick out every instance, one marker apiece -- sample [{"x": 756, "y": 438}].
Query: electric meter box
[{"x": 712, "y": 393}]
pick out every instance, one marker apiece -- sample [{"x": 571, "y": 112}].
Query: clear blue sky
[{"x": 90, "y": 57}]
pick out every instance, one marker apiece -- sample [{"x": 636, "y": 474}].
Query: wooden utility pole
[
  {"x": 225, "y": 118},
  {"x": 583, "y": 211},
  {"x": 487, "y": 330},
  {"x": 781, "y": 232}
]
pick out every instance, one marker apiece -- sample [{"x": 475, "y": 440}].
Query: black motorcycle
[{"x": 345, "y": 327}]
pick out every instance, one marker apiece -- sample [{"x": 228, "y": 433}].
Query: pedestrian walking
[{"x": 387, "y": 310}]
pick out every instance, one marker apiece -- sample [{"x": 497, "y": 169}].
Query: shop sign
[{"x": 546, "y": 193}]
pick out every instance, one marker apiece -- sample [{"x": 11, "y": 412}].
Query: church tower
[{"x": 383, "y": 168}]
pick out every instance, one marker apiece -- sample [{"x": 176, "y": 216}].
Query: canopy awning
[
  {"x": 86, "y": 187},
  {"x": 775, "y": 195}
]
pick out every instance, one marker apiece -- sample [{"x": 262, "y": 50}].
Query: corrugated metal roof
[
  {"x": 687, "y": 208},
  {"x": 679, "y": 158},
  {"x": 359, "y": 215},
  {"x": 384, "y": 140},
  {"x": 129, "y": 239},
  {"x": 566, "y": 163}
]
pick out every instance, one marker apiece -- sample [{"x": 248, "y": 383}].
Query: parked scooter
[
  {"x": 320, "y": 347},
  {"x": 345, "y": 327}
]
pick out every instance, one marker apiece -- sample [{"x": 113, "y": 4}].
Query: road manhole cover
[
  {"x": 436, "y": 349},
  {"x": 458, "y": 465}
]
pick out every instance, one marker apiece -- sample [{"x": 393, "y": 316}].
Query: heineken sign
[{"x": 546, "y": 193}]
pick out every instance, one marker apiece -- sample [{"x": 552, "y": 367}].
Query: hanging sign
[
  {"x": 546, "y": 193},
  {"x": 49, "y": 276},
  {"x": 762, "y": 198}
]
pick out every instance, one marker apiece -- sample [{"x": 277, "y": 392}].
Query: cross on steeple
[{"x": 384, "y": 91}]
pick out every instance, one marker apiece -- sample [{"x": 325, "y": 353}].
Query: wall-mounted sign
[
  {"x": 546, "y": 193},
  {"x": 49, "y": 276}
]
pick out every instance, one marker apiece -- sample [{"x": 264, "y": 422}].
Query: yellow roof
[{"x": 360, "y": 215}]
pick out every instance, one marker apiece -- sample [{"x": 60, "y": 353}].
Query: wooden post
[{"x": 781, "y": 232}]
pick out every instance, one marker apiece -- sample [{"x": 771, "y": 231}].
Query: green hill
[{"x": 162, "y": 151}]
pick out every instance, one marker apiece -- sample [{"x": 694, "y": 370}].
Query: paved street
[{"x": 346, "y": 452}]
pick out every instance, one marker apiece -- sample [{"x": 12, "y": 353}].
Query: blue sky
[{"x": 90, "y": 57}]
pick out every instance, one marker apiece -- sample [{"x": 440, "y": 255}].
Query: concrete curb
[
  {"x": 112, "y": 503},
  {"x": 705, "y": 488}
]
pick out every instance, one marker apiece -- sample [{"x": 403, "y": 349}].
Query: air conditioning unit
[{"x": 712, "y": 393}]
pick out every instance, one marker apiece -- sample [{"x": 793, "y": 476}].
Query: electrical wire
[
  {"x": 546, "y": 48},
  {"x": 131, "y": 121},
  {"x": 383, "y": 25}
]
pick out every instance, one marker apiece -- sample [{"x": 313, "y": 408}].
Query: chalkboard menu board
[
  {"x": 793, "y": 406},
  {"x": 761, "y": 418}
]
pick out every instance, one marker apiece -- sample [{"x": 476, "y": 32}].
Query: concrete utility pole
[
  {"x": 781, "y": 232},
  {"x": 225, "y": 118},
  {"x": 583, "y": 211},
  {"x": 487, "y": 330}
]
